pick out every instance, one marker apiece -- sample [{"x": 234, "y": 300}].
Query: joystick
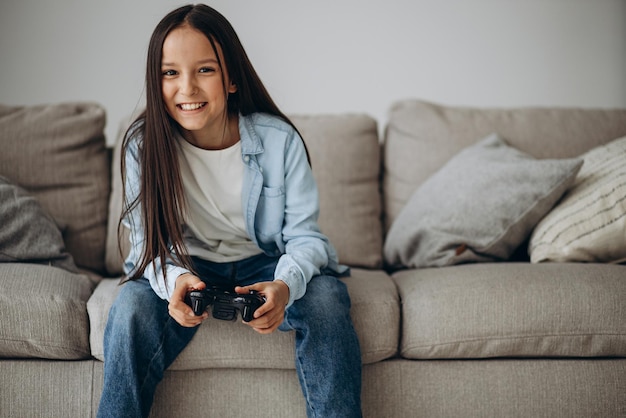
[{"x": 226, "y": 302}]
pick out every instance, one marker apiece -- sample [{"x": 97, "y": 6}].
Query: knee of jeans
[
  {"x": 326, "y": 296},
  {"x": 121, "y": 316},
  {"x": 131, "y": 307}
]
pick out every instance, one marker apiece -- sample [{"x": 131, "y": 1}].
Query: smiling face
[{"x": 195, "y": 88}]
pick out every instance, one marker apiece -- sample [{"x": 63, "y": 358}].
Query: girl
[{"x": 218, "y": 190}]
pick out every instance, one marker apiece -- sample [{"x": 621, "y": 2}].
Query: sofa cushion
[
  {"x": 513, "y": 310},
  {"x": 47, "y": 388},
  {"x": 218, "y": 344},
  {"x": 589, "y": 222},
  {"x": 480, "y": 206},
  {"x": 345, "y": 156},
  {"x": 421, "y": 137},
  {"x": 117, "y": 241},
  {"x": 57, "y": 153},
  {"x": 43, "y": 312},
  {"x": 28, "y": 234}
]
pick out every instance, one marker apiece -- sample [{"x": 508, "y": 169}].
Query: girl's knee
[
  {"x": 326, "y": 296},
  {"x": 135, "y": 303}
]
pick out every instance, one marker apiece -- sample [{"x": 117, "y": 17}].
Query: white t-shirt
[{"x": 212, "y": 181}]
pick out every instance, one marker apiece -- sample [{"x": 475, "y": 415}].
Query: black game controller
[{"x": 226, "y": 302}]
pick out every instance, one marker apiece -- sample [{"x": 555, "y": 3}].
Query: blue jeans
[{"x": 141, "y": 340}]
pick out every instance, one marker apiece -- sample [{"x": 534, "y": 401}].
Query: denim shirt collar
[{"x": 251, "y": 144}]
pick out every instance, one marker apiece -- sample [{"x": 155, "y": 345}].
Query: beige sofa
[{"x": 482, "y": 332}]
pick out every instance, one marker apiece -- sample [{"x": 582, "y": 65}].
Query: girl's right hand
[{"x": 178, "y": 309}]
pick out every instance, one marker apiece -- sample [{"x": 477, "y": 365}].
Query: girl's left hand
[{"x": 270, "y": 315}]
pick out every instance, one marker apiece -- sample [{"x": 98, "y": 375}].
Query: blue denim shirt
[{"x": 279, "y": 201}]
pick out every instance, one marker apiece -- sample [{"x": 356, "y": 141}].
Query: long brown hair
[{"x": 161, "y": 196}]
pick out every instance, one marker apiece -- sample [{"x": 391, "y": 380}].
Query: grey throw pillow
[
  {"x": 28, "y": 234},
  {"x": 480, "y": 206}
]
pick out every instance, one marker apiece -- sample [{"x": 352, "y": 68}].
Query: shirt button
[{"x": 246, "y": 158}]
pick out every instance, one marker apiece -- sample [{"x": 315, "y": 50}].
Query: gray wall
[{"x": 333, "y": 55}]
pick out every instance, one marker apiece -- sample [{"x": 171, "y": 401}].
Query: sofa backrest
[
  {"x": 421, "y": 137},
  {"x": 57, "y": 153},
  {"x": 345, "y": 156}
]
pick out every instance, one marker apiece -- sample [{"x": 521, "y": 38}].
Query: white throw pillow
[{"x": 589, "y": 223}]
